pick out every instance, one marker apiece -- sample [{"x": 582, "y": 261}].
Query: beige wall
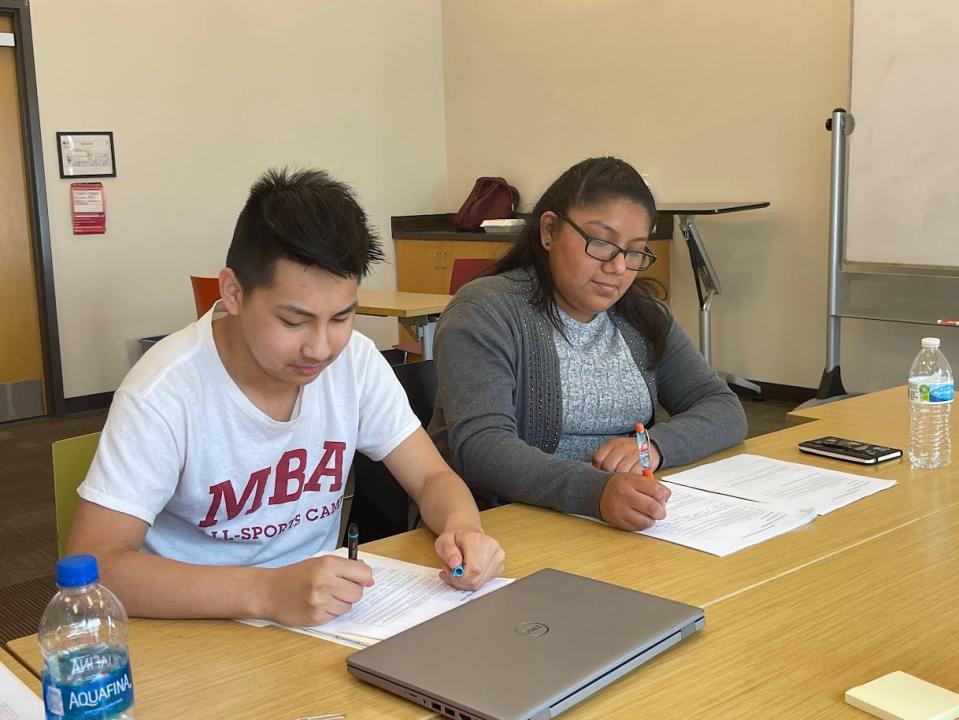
[
  {"x": 203, "y": 96},
  {"x": 409, "y": 102},
  {"x": 716, "y": 101}
]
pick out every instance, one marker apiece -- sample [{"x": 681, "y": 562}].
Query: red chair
[
  {"x": 206, "y": 291},
  {"x": 464, "y": 270}
]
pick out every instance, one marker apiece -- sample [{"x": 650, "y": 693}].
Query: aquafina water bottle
[
  {"x": 83, "y": 640},
  {"x": 930, "y": 402}
]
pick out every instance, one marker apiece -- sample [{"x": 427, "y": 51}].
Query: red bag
[{"x": 492, "y": 198}]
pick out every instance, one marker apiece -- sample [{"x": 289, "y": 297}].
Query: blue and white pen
[{"x": 642, "y": 442}]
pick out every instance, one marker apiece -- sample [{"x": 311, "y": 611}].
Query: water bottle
[
  {"x": 83, "y": 640},
  {"x": 930, "y": 402}
]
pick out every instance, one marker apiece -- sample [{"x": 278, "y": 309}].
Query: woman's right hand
[{"x": 633, "y": 502}]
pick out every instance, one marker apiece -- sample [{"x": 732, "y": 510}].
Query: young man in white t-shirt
[{"x": 221, "y": 467}]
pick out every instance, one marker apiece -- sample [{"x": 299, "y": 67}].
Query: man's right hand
[
  {"x": 633, "y": 502},
  {"x": 315, "y": 590}
]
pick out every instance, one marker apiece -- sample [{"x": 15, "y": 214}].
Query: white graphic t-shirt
[{"x": 219, "y": 481}]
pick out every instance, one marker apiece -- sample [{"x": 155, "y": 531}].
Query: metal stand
[
  {"x": 707, "y": 286},
  {"x": 840, "y": 125},
  {"x": 423, "y": 328}
]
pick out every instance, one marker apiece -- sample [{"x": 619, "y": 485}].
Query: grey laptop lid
[{"x": 527, "y": 651}]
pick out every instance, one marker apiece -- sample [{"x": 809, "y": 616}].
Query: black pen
[{"x": 353, "y": 540}]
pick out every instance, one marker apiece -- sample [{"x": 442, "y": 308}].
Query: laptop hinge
[
  {"x": 693, "y": 627},
  {"x": 625, "y": 667}
]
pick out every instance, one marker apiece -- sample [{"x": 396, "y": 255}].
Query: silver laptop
[{"x": 527, "y": 651}]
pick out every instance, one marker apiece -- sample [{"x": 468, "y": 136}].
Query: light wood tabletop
[
  {"x": 535, "y": 538},
  {"x": 792, "y": 647},
  {"x": 20, "y": 671},
  {"x": 891, "y": 402},
  {"x": 396, "y": 303},
  {"x": 267, "y": 672},
  {"x": 218, "y": 668}
]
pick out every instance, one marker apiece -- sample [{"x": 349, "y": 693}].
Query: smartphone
[{"x": 849, "y": 450}]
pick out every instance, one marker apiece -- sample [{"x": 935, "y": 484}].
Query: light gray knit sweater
[
  {"x": 604, "y": 393},
  {"x": 499, "y": 407}
]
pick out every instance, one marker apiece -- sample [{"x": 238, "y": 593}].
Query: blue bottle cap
[{"x": 77, "y": 570}]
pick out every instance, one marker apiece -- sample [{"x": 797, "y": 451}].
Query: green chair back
[{"x": 71, "y": 460}]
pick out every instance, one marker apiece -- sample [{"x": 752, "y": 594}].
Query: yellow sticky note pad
[{"x": 901, "y": 696}]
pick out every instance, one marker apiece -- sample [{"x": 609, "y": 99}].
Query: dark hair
[
  {"x": 304, "y": 216},
  {"x": 587, "y": 183}
]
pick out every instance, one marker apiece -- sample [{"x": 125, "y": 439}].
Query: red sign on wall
[{"x": 88, "y": 209}]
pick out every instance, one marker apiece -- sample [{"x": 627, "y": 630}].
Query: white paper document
[
  {"x": 721, "y": 525},
  {"x": 17, "y": 701},
  {"x": 777, "y": 482},
  {"x": 404, "y": 595}
]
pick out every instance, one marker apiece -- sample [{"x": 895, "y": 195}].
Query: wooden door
[{"x": 21, "y": 356}]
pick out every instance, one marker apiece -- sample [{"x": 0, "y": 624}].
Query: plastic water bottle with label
[
  {"x": 930, "y": 403},
  {"x": 83, "y": 640}
]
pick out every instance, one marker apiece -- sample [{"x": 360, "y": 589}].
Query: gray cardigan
[{"x": 498, "y": 414}]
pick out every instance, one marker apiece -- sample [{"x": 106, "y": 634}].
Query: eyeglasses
[{"x": 607, "y": 251}]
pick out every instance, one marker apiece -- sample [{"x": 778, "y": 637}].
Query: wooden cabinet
[
  {"x": 418, "y": 266},
  {"x": 426, "y": 265}
]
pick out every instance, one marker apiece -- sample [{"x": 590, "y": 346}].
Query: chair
[
  {"x": 464, "y": 270},
  {"x": 71, "y": 460},
  {"x": 206, "y": 291},
  {"x": 380, "y": 506},
  {"x": 393, "y": 356}
]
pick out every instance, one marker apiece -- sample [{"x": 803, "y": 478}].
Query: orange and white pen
[{"x": 642, "y": 442}]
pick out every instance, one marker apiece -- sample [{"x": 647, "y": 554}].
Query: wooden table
[
  {"x": 826, "y": 595},
  {"x": 417, "y": 312},
  {"x": 892, "y": 401},
  {"x": 792, "y": 647},
  {"x": 21, "y": 671}
]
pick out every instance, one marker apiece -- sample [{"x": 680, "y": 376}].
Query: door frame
[{"x": 19, "y": 12}]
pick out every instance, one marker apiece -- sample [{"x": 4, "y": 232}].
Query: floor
[
  {"x": 28, "y": 533},
  {"x": 28, "y": 539}
]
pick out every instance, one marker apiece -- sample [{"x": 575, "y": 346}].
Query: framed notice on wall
[
  {"x": 86, "y": 154},
  {"x": 87, "y": 208}
]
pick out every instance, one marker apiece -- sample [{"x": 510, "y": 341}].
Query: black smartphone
[{"x": 849, "y": 450}]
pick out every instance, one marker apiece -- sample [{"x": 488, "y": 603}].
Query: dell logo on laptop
[{"x": 532, "y": 629}]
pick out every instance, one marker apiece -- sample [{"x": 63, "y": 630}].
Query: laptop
[{"x": 527, "y": 651}]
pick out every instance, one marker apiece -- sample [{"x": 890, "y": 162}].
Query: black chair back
[{"x": 380, "y": 506}]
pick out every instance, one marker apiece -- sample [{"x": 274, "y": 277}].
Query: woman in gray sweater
[{"x": 546, "y": 365}]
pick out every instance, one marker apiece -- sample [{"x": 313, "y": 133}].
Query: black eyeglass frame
[{"x": 649, "y": 257}]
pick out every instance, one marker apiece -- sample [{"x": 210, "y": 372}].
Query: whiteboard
[{"x": 903, "y": 181}]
